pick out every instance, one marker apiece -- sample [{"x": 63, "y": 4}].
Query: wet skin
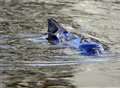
[{"x": 57, "y": 34}]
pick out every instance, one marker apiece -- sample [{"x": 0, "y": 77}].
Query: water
[{"x": 28, "y": 61}]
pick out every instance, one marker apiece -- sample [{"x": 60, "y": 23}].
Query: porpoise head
[{"x": 53, "y": 28}]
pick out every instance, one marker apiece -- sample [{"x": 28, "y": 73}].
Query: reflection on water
[{"x": 23, "y": 50}]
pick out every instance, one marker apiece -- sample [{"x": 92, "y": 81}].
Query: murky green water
[{"x": 30, "y": 64}]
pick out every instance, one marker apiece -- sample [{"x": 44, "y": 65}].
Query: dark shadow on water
[{"x": 45, "y": 77}]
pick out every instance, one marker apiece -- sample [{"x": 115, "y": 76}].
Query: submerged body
[{"x": 57, "y": 34}]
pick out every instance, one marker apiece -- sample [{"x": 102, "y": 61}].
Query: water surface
[{"x": 29, "y": 62}]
